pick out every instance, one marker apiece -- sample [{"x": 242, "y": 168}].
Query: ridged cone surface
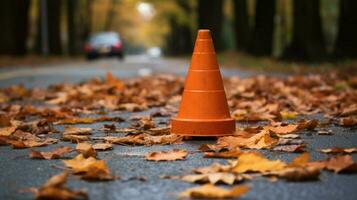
[{"x": 203, "y": 109}]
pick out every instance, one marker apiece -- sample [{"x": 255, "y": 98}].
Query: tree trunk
[
  {"x": 179, "y": 41},
  {"x": 53, "y": 8},
  {"x": 346, "y": 43},
  {"x": 110, "y": 16},
  {"x": 241, "y": 25},
  {"x": 210, "y": 16},
  {"x": 14, "y": 21},
  {"x": 308, "y": 40},
  {"x": 73, "y": 27},
  {"x": 262, "y": 40}
]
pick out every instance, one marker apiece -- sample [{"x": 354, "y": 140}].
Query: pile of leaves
[{"x": 37, "y": 117}]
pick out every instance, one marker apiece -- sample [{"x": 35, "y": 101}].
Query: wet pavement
[{"x": 140, "y": 179}]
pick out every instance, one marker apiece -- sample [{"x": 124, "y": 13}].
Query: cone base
[{"x": 205, "y": 128}]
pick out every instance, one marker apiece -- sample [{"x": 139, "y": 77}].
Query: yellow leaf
[
  {"x": 256, "y": 162},
  {"x": 213, "y": 192}
]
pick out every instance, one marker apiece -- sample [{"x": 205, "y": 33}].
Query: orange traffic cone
[{"x": 204, "y": 109}]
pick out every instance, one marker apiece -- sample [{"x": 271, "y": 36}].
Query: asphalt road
[{"x": 17, "y": 171}]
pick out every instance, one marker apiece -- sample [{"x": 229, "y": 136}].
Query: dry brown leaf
[
  {"x": 300, "y": 174},
  {"x": 281, "y": 130},
  {"x": 213, "y": 178},
  {"x": 89, "y": 168},
  {"x": 31, "y": 143},
  {"x": 55, "y": 188},
  {"x": 214, "y": 168},
  {"x": 7, "y": 131},
  {"x": 102, "y": 146},
  {"x": 341, "y": 164},
  {"x": 233, "y": 153},
  {"x": 132, "y": 107},
  {"x": 171, "y": 155},
  {"x": 256, "y": 162},
  {"x": 348, "y": 121},
  {"x": 85, "y": 120},
  {"x": 86, "y": 150},
  {"x": 300, "y": 161},
  {"x": 210, "y": 191},
  {"x": 75, "y": 138},
  {"x": 339, "y": 150},
  {"x": 80, "y": 164},
  {"x": 307, "y": 124},
  {"x": 72, "y": 130},
  {"x": 54, "y": 154},
  {"x": 293, "y": 148}
]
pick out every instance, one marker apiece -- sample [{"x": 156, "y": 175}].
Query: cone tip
[{"x": 204, "y": 34}]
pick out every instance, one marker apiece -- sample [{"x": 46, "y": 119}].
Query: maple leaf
[
  {"x": 213, "y": 178},
  {"x": 77, "y": 121},
  {"x": 290, "y": 148},
  {"x": 171, "y": 155},
  {"x": 7, "y": 131},
  {"x": 233, "y": 153},
  {"x": 72, "y": 130},
  {"x": 86, "y": 150},
  {"x": 54, "y": 154},
  {"x": 214, "y": 168},
  {"x": 102, "y": 146},
  {"x": 348, "y": 121},
  {"x": 55, "y": 188},
  {"x": 256, "y": 162},
  {"x": 281, "y": 130},
  {"x": 340, "y": 164},
  {"x": 75, "y": 138},
  {"x": 339, "y": 150},
  {"x": 212, "y": 192},
  {"x": 89, "y": 168},
  {"x": 300, "y": 174}
]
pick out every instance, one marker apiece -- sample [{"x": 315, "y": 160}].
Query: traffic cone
[{"x": 204, "y": 109}]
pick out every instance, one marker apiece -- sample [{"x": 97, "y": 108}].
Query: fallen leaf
[
  {"x": 300, "y": 174},
  {"x": 86, "y": 150},
  {"x": 102, "y": 146},
  {"x": 80, "y": 164},
  {"x": 54, "y": 154},
  {"x": 233, "y": 153},
  {"x": 72, "y": 130},
  {"x": 214, "y": 168},
  {"x": 210, "y": 191},
  {"x": 75, "y": 138},
  {"x": 171, "y": 155},
  {"x": 348, "y": 121},
  {"x": 293, "y": 148},
  {"x": 290, "y": 128},
  {"x": 341, "y": 164},
  {"x": 7, "y": 131},
  {"x": 256, "y": 162},
  {"x": 213, "y": 178},
  {"x": 339, "y": 150},
  {"x": 55, "y": 188}
]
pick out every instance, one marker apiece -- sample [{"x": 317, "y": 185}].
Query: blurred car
[{"x": 104, "y": 44}]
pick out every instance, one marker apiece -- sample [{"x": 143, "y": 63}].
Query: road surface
[{"x": 20, "y": 172}]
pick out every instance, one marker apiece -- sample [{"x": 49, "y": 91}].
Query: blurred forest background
[{"x": 307, "y": 30}]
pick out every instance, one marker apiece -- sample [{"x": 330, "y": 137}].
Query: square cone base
[{"x": 213, "y": 128}]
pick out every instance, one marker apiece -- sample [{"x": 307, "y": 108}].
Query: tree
[
  {"x": 14, "y": 23},
  {"x": 179, "y": 41},
  {"x": 308, "y": 40},
  {"x": 346, "y": 43},
  {"x": 262, "y": 39},
  {"x": 73, "y": 27},
  {"x": 241, "y": 24},
  {"x": 110, "y": 16},
  {"x": 210, "y": 16},
  {"x": 53, "y": 25}
]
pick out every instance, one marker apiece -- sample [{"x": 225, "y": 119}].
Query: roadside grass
[{"x": 269, "y": 64}]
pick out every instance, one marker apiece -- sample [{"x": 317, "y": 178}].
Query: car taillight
[
  {"x": 87, "y": 47},
  {"x": 117, "y": 46}
]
